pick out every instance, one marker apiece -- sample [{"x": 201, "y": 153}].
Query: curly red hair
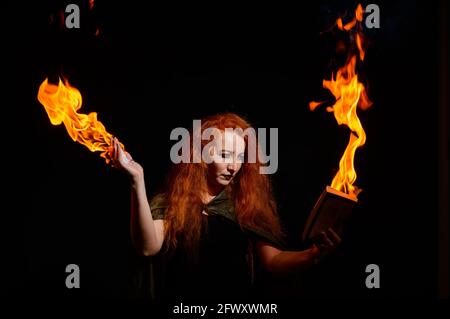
[{"x": 251, "y": 192}]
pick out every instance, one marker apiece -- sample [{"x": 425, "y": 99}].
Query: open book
[{"x": 331, "y": 210}]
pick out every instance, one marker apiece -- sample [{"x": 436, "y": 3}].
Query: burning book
[
  {"x": 332, "y": 209},
  {"x": 337, "y": 201}
]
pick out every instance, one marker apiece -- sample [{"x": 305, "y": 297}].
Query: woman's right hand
[{"x": 123, "y": 160}]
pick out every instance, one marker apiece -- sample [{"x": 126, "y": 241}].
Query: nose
[{"x": 232, "y": 167}]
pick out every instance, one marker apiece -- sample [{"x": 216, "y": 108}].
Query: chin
[{"x": 223, "y": 182}]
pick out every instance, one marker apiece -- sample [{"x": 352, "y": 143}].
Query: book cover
[{"x": 331, "y": 210}]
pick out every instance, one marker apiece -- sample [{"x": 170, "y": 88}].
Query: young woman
[{"x": 213, "y": 217}]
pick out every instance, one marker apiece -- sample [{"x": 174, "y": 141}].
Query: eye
[
  {"x": 225, "y": 155},
  {"x": 241, "y": 158}
]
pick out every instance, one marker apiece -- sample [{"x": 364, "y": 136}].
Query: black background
[{"x": 152, "y": 69}]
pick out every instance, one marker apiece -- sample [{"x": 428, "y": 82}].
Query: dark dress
[{"x": 224, "y": 269}]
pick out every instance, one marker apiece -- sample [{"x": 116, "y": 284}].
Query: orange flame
[
  {"x": 358, "y": 18},
  {"x": 349, "y": 93},
  {"x": 62, "y": 102}
]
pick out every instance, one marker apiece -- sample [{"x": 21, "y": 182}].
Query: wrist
[
  {"x": 137, "y": 180},
  {"x": 315, "y": 255}
]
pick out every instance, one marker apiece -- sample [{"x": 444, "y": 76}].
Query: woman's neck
[{"x": 213, "y": 191}]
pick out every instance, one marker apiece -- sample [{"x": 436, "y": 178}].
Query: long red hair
[{"x": 251, "y": 192}]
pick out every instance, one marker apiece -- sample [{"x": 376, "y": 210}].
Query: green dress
[{"x": 225, "y": 266}]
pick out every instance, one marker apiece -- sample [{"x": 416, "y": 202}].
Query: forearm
[
  {"x": 143, "y": 231},
  {"x": 290, "y": 262}
]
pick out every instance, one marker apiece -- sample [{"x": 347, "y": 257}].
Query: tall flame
[
  {"x": 349, "y": 94},
  {"x": 62, "y": 102}
]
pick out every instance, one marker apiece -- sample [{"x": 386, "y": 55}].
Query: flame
[
  {"x": 91, "y": 4},
  {"x": 62, "y": 102},
  {"x": 350, "y": 25},
  {"x": 313, "y": 105},
  {"x": 349, "y": 94}
]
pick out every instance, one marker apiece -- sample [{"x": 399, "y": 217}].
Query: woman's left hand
[{"x": 326, "y": 243}]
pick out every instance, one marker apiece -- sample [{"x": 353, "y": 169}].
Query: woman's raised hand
[{"x": 123, "y": 160}]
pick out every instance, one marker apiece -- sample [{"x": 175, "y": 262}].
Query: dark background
[{"x": 152, "y": 69}]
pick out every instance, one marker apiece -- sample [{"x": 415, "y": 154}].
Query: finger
[
  {"x": 318, "y": 240},
  {"x": 327, "y": 241},
  {"x": 323, "y": 237},
  {"x": 334, "y": 236},
  {"x": 321, "y": 241},
  {"x": 120, "y": 154},
  {"x": 112, "y": 154},
  {"x": 127, "y": 157},
  {"x": 111, "y": 147},
  {"x": 116, "y": 148},
  {"x": 122, "y": 157}
]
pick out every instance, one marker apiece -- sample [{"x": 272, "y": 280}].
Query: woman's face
[{"x": 227, "y": 157}]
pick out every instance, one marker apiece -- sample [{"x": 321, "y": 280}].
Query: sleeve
[
  {"x": 257, "y": 234},
  {"x": 158, "y": 207}
]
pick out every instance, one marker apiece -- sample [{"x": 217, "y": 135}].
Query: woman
[{"x": 211, "y": 218}]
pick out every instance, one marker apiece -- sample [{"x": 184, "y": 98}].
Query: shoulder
[{"x": 159, "y": 200}]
